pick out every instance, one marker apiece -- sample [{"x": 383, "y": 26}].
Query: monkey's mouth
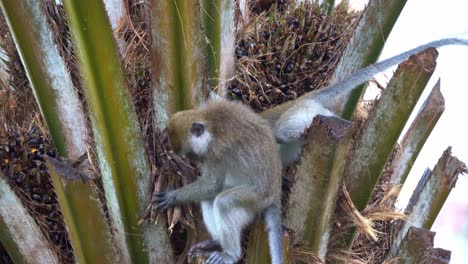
[{"x": 193, "y": 157}]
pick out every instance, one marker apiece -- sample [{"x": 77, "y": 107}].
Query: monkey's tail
[
  {"x": 361, "y": 76},
  {"x": 272, "y": 218}
]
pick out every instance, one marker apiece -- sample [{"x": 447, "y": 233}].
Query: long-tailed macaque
[{"x": 241, "y": 175}]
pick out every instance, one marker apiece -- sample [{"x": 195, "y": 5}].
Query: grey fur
[
  {"x": 331, "y": 98},
  {"x": 272, "y": 217},
  {"x": 241, "y": 175},
  {"x": 363, "y": 75}
]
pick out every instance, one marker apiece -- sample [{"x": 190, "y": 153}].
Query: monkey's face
[{"x": 189, "y": 135}]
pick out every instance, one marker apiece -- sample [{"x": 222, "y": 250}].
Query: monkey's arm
[{"x": 205, "y": 188}]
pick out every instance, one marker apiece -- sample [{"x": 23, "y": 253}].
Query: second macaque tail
[
  {"x": 272, "y": 217},
  {"x": 365, "y": 74}
]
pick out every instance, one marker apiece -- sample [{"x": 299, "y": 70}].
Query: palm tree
[{"x": 107, "y": 75}]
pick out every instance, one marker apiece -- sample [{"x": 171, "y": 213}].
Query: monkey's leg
[
  {"x": 272, "y": 217},
  {"x": 209, "y": 219},
  {"x": 207, "y": 246},
  {"x": 204, "y": 248},
  {"x": 233, "y": 210}
]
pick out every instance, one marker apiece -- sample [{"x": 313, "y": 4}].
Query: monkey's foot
[
  {"x": 220, "y": 258},
  {"x": 204, "y": 248}
]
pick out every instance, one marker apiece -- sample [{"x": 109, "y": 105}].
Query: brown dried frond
[
  {"x": 18, "y": 105},
  {"x": 372, "y": 251},
  {"x": 373, "y": 235},
  {"x": 382, "y": 213},
  {"x": 364, "y": 225},
  {"x": 391, "y": 261},
  {"x": 134, "y": 29},
  {"x": 345, "y": 257},
  {"x": 305, "y": 255},
  {"x": 390, "y": 194}
]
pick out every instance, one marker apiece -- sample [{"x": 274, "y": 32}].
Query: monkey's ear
[{"x": 197, "y": 129}]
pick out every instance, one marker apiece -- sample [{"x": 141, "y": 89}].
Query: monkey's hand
[{"x": 163, "y": 200}]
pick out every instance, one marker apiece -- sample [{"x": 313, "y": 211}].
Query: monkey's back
[{"x": 245, "y": 141}]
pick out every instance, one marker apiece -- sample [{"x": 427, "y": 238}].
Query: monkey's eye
[{"x": 197, "y": 129}]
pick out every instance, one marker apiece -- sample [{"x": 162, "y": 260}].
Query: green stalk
[
  {"x": 417, "y": 134},
  {"x": 365, "y": 46},
  {"x": 436, "y": 256},
  {"x": 62, "y": 110},
  {"x": 417, "y": 242},
  {"x": 176, "y": 55},
  {"x": 328, "y": 6},
  {"x": 257, "y": 248},
  {"x": 4, "y": 75},
  {"x": 48, "y": 75},
  {"x": 381, "y": 131},
  {"x": 219, "y": 24},
  {"x": 19, "y": 233},
  {"x": 312, "y": 201},
  {"x": 429, "y": 196},
  {"x": 122, "y": 160},
  {"x": 211, "y": 19},
  {"x": 79, "y": 202},
  {"x": 434, "y": 190},
  {"x": 227, "y": 45},
  {"x": 116, "y": 13}
]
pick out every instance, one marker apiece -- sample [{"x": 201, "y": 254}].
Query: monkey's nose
[{"x": 197, "y": 129}]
